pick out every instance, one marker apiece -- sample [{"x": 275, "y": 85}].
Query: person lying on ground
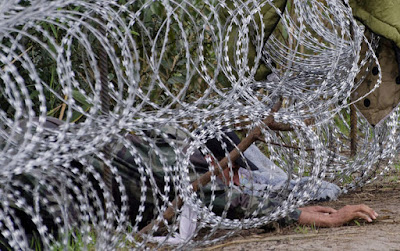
[
  {"x": 241, "y": 204},
  {"x": 241, "y": 201},
  {"x": 318, "y": 216}
]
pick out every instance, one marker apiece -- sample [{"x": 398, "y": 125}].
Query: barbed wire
[{"x": 183, "y": 68}]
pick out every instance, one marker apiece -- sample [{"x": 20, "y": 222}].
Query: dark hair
[{"x": 231, "y": 140}]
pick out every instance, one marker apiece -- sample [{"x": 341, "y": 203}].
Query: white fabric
[
  {"x": 187, "y": 227},
  {"x": 269, "y": 174}
]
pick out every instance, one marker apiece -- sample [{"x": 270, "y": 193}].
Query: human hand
[
  {"x": 351, "y": 212},
  {"x": 329, "y": 217}
]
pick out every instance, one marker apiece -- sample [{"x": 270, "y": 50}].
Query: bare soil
[{"x": 383, "y": 234}]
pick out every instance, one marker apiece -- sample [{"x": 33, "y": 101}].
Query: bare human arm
[{"x": 329, "y": 217}]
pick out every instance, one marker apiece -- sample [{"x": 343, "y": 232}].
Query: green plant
[
  {"x": 303, "y": 229},
  {"x": 397, "y": 166}
]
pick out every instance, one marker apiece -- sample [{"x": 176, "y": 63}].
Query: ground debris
[{"x": 382, "y": 234}]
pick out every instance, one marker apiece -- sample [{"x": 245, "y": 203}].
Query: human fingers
[
  {"x": 366, "y": 210},
  {"x": 362, "y": 216}
]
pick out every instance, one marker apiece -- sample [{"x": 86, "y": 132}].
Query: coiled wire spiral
[{"x": 105, "y": 69}]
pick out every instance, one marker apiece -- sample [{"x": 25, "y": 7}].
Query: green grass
[
  {"x": 302, "y": 229},
  {"x": 75, "y": 242}
]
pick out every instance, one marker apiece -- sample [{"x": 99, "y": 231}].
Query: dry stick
[
  {"x": 353, "y": 115},
  {"x": 283, "y": 145},
  {"x": 63, "y": 107},
  {"x": 278, "y": 126},
  {"x": 206, "y": 178},
  {"x": 105, "y": 103},
  {"x": 19, "y": 56},
  {"x": 353, "y": 131}
]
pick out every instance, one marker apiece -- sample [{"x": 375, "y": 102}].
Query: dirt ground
[{"x": 383, "y": 234}]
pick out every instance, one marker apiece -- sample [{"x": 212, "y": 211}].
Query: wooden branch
[
  {"x": 353, "y": 131},
  {"x": 277, "y": 126},
  {"x": 353, "y": 116},
  {"x": 283, "y": 145},
  {"x": 206, "y": 178}
]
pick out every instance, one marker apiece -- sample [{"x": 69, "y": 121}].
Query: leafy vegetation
[{"x": 164, "y": 68}]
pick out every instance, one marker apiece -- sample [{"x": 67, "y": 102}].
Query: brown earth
[{"x": 383, "y": 234}]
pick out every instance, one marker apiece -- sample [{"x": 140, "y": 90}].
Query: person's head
[{"x": 221, "y": 147}]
